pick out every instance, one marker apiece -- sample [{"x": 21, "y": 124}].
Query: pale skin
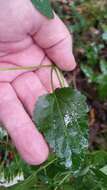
[{"x": 27, "y": 38}]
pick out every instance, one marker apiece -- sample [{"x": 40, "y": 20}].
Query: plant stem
[
  {"x": 33, "y": 68},
  {"x": 24, "y": 68},
  {"x": 60, "y": 76},
  {"x": 29, "y": 182},
  {"x": 52, "y": 83},
  {"x": 63, "y": 180}
]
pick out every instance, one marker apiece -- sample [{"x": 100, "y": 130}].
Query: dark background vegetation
[{"x": 87, "y": 22}]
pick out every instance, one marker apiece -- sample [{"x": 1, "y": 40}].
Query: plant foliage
[
  {"x": 64, "y": 124},
  {"x": 70, "y": 166},
  {"x": 44, "y": 6}
]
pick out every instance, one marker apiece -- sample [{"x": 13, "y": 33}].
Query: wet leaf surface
[{"x": 61, "y": 117}]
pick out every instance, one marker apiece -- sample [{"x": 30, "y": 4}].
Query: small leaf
[
  {"x": 61, "y": 116},
  {"x": 44, "y": 6},
  {"x": 88, "y": 71},
  {"x": 104, "y": 36},
  {"x": 104, "y": 170},
  {"x": 101, "y": 82},
  {"x": 103, "y": 66}
]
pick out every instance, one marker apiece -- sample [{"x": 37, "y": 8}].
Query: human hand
[{"x": 27, "y": 38}]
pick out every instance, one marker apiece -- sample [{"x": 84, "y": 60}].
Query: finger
[
  {"x": 28, "y": 88},
  {"x": 25, "y": 136},
  {"x": 55, "y": 39},
  {"x": 48, "y": 77}
]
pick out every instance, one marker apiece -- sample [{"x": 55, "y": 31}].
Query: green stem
[
  {"x": 52, "y": 83},
  {"x": 24, "y": 68},
  {"x": 29, "y": 182},
  {"x": 60, "y": 76},
  {"x": 32, "y": 177},
  {"x": 33, "y": 68},
  {"x": 62, "y": 181}
]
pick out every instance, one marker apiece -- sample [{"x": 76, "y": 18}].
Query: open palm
[{"x": 27, "y": 38}]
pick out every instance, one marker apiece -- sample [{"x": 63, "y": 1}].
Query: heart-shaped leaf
[{"x": 61, "y": 117}]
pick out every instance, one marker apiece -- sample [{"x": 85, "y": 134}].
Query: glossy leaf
[{"x": 61, "y": 117}]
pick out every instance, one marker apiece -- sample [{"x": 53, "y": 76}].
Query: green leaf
[
  {"x": 88, "y": 71},
  {"x": 98, "y": 159},
  {"x": 44, "y": 6},
  {"x": 92, "y": 176},
  {"x": 30, "y": 182},
  {"x": 101, "y": 82},
  {"x": 61, "y": 117},
  {"x": 104, "y": 170},
  {"x": 104, "y": 36},
  {"x": 100, "y": 79},
  {"x": 103, "y": 66}
]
